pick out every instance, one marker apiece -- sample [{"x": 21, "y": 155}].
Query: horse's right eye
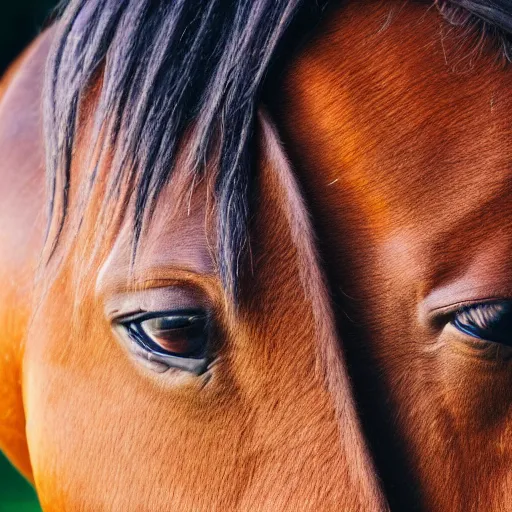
[
  {"x": 488, "y": 321},
  {"x": 176, "y": 338}
]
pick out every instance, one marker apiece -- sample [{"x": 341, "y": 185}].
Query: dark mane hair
[
  {"x": 167, "y": 64},
  {"x": 493, "y": 18}
]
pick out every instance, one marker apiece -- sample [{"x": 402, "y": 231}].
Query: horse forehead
[
  {"x": 177, "y": 237},
  {"x": 412, "y": 128}
]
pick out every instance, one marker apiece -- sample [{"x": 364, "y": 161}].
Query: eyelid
[
  {"x": 439, "y": 316},
  {"x": 123, "y": 306},
  {"x": 457, "y": 306},
  {"x": 133, "y": 280},
  {"x": 466, "y": 290},
  {"x": 142, "y": 316}
]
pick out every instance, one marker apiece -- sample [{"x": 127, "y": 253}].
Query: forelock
[{"x": 167, "y": 66}]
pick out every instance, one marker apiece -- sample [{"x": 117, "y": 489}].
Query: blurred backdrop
[{"x": 20, "y": 22}]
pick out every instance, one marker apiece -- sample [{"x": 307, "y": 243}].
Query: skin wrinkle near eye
[
  {"x": 408, "y": 262},
  {"x": 152, "y": 299},
  {"x": 465, "y": 297}
]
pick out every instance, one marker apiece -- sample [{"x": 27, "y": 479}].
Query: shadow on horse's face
[
  {"x": 402, "y": 139},
  {"x": 145, "y": 388}
]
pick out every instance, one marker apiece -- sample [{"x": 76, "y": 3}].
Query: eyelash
[{"x": 490, "y": 322}]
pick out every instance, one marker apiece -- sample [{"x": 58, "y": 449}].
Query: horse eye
[
  {"x": 490, "y": 322},
  {"x": 182, "y": 334}
]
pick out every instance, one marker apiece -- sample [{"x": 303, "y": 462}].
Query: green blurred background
[{"x": 20, "y": 22}]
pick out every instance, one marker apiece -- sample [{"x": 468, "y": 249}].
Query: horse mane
[
  {"x": 492, "y": 18},
  {"x": 167, "y": 66}
]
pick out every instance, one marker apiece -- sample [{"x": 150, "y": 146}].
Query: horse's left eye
[
  {"x": 490, "y": 322},
  {"x": 180, "y": 334}
]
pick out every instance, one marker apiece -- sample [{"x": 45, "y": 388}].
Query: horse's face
[
  {"x": 405, "y": 167},
  {"x": 403, "y": 135},
  {"x": 112, "y": 426}
]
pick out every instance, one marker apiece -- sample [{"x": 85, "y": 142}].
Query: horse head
[{"x": 274, "y": 272}]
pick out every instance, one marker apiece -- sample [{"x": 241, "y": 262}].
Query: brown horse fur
[{"x": 339, "y": 381}]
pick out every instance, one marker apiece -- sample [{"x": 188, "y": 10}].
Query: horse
[{"x": 256, "y": 256}]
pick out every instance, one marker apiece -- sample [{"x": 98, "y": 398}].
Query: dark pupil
[
  {"x": 182, "y": 335},
  {"x": 172, "y": 322},
  {"x": 490, "y": 322}
]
